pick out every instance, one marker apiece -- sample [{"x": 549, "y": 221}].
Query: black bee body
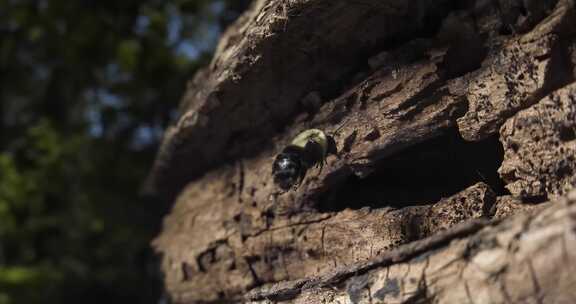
[
  {"x": 308, "y": 149},
  {"x": 289, "y": 168}
]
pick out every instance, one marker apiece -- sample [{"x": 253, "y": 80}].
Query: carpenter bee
[{"x": 309, "y": 148}]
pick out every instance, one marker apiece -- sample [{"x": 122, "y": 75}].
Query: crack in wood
[{"x": 403, "y": 253}]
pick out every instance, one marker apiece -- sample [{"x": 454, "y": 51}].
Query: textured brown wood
[
  {"x": 523, "y": 259},
  {"x": 518, "y": 73},
  {"x": 382, "y": 77},
  {"x": 540, "y": 158},
  {"x": 275, "y": 55}
]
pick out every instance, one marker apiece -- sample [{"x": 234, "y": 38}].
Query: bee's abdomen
[{"x": 288, "y": 167}]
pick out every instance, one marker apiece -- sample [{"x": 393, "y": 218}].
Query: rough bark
[
  {"x": 524, "y": 259},
  {"x": 392, "y": 81},
  {"x": 540, "y": 158}
]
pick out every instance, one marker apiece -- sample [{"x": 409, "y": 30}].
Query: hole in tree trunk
[{"x": 422, "y": 174}]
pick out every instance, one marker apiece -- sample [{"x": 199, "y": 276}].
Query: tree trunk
[{"x": 455, "y": 128}]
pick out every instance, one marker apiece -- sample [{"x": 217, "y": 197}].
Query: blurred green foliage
[{"x": 86, "y": 89}]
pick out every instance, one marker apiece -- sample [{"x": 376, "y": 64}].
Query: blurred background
[{"x": 87, "y": 88}]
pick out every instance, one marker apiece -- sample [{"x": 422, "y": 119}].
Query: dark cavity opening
[{"x": 422, "y": 174}]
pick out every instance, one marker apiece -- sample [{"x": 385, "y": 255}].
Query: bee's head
[{"x": 288, "y": 169}]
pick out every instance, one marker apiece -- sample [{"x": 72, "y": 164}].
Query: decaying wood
[
  {"x": 508, "y": 205},
  {"x": 540, "y": 158},
  {"x": 294, "y": 247},
  {"x": 275, "y": 55},
  {"x": 518, "y": 73},
  {"x": 380, "y": 77},
  {"x": 524, "y": 259}
]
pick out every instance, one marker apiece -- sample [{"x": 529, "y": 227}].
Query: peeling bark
[{"x": 384, "y": 79}]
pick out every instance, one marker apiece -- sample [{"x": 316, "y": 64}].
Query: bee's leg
[{"x": 300, "y": 179}]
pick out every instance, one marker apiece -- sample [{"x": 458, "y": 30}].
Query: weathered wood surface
[
  {"x": 382, "y": 77},
  {"x": 276, "y": 54},
  {"x": 528, "y": 258},
  {"x": 540, "y": 145}
]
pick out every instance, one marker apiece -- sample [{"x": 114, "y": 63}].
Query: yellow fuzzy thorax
[{"x": 314, "y": 135}]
